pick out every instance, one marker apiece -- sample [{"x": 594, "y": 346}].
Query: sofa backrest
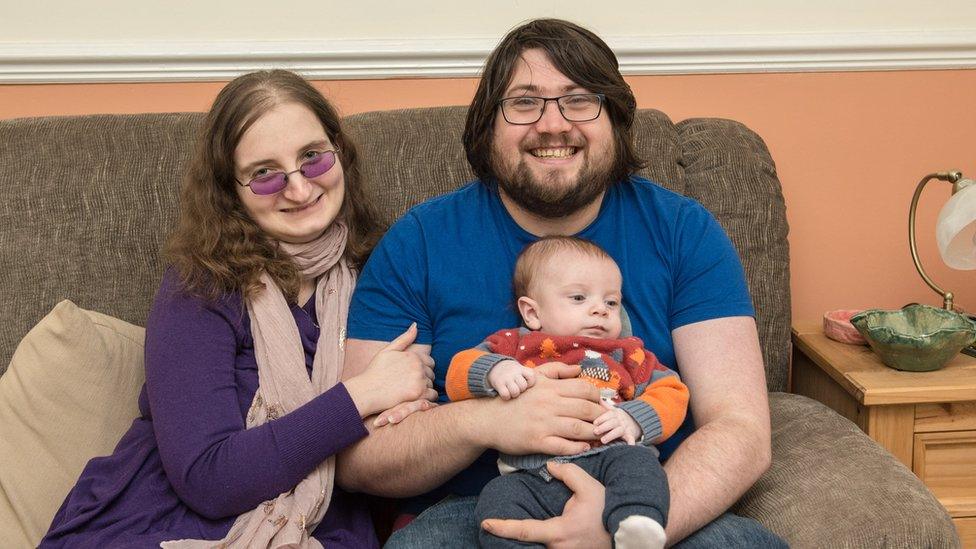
[{"x": 86, "y": 202}]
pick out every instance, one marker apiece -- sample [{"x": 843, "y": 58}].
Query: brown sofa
[{"x": 86, "y": 201}]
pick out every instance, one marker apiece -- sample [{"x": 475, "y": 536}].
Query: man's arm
[
  {"x": 435, "y": 445},
  {"x": 721, "y": 363},
  {"x": 377, "y": 467}
]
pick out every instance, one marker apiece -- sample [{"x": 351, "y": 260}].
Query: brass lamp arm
[{"x": 951, "y": 177}]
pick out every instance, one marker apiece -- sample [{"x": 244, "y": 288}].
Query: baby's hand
[
  {"x": 616, "y": 423},
  {"x": 510, "y": 378}
]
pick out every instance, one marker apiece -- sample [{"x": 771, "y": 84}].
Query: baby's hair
[{"x": 535, "y": 255}]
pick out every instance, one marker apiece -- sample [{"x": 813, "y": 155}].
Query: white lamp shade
[{"x": 956, "y": 229}]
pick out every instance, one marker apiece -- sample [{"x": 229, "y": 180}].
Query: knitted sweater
[{"x": 647, "y": 390}]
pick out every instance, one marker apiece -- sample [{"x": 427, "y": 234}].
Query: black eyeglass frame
[{"x": 545, "y": 101}]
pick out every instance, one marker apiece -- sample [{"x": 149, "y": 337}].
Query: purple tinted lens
[
  {"x": 319, "y": 165},
  {"x": 268, "y": 184}
]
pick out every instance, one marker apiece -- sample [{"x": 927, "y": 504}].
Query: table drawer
[
  {"x": 967, "y": 531},
  {"x": 952, "y": 416},
  {"x": 946, "y": 463}
]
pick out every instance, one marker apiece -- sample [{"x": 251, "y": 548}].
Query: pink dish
[{"x": 837, "y": 326}]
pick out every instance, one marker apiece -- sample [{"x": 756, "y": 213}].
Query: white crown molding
[{"x": 439, "y": 58}]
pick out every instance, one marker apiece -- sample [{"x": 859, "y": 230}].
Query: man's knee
[{"x": 450, "y": 523}]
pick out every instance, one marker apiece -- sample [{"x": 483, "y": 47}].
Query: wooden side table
[{"x": 926, "y": 419}]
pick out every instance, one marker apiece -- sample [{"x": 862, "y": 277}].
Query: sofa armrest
[{"x": 830, "y": 485}]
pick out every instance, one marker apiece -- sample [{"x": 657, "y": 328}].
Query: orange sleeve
[
  {"x": 669, "y": 398},
  {"x": 456, "y": 381}
]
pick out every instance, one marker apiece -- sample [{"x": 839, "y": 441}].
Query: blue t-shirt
[{"x": 447, "y": 264}]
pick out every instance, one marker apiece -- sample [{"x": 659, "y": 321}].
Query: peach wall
[{"x": 849, "y": 147}]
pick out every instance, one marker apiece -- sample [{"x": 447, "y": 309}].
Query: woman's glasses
[{"x": 275, "y": 182}]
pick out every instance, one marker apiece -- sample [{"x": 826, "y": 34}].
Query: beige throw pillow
[{"x": 69, "y": 394}]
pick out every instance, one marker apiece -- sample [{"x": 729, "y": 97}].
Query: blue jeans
[{"x": 451, "y": 523}]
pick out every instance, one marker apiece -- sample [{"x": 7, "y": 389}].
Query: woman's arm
[{"x": 214, "y": 464}]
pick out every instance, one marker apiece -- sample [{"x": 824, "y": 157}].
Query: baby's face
[{"x": 577, "y": 294}]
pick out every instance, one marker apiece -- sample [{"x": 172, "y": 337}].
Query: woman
[{"x": 242, "y": 413}]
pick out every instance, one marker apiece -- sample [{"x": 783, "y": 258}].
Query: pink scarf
[{"x": 289, "y": 519}]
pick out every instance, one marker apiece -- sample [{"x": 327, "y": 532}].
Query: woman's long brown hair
[{"x": 216, "y": 247}]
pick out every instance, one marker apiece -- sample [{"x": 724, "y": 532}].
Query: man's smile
[{"x": 553, "y": 152}]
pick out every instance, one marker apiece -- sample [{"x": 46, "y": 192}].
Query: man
[{"x": 548, "y": 134}]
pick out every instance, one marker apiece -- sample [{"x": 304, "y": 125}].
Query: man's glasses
[
  {"x": 575, "y": 107},
  {"x": 275, "y": 182}
]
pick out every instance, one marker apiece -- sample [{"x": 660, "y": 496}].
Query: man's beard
[{"x": 549, "y": 198}]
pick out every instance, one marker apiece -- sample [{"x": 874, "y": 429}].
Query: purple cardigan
[{"x": 187, "y": 466}]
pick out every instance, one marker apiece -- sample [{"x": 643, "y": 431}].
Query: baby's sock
[{"x": 639, "y": 532}]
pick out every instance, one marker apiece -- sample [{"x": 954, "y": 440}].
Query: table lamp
[{"x": 955, "y": 231}]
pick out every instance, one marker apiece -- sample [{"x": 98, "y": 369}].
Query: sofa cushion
[
  {"x": 838, "y": 488},
  {"x": 68, "y": 395},
  {"x": 86, "y": 203}
]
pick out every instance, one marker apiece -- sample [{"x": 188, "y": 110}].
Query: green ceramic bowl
[{"x": 917, "y": 338}]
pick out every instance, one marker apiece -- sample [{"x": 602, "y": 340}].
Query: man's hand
[
  {"x": 616, "y": 423},
  {"x": 510, "y": 379},
  {"x": 554, "y": 418},
  {"x": 580, "y": 525}
]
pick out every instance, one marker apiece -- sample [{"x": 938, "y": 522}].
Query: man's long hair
[
  {"x": 216, "y": 246},
  {"x": 580, "y": 55}
]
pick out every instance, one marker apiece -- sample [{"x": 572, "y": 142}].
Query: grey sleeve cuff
[
  {"x": 646, "y": 417},
  {"x": 478, "y": 374}
]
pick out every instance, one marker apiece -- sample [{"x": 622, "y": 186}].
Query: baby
[{"x": 569, "y": 294}]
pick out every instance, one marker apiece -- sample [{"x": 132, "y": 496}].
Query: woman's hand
[
  {"x": 395, "y": 375},
  {"x": 400, "y": 412}
]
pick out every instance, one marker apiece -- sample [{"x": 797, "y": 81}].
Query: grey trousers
[{"x": 634, "y": 480}]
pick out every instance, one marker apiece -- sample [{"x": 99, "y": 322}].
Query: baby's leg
[
  {"x": 519, "y": 495},
  {"x": 637, "y": 497}
]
